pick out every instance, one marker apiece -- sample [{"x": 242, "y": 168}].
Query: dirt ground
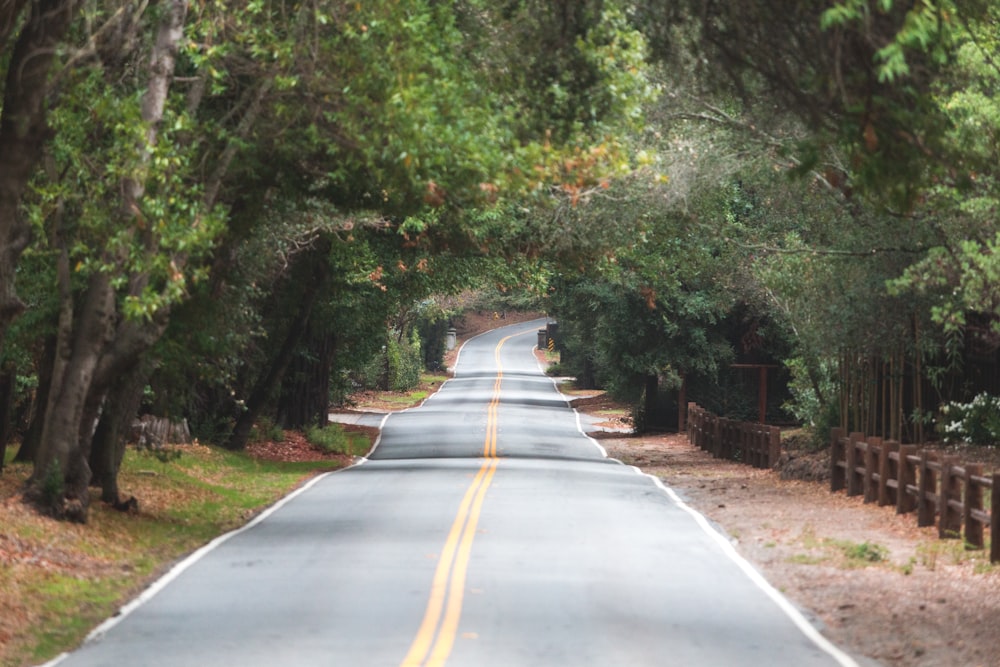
[
  {"x": 872, "y": 581},
  {"x": 878, "y": 585}
]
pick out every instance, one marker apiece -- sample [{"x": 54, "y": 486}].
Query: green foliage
[
  {"x": 164, "y": 455},
  {"x": 812, "y": 391},
  {"x": 333, "y": 439},
  {"x": 404, "y": 362},
  {"x": 396, "y": 367},
  {"x": 53, "y": 488},
  {"x": 265, "y": 430},
  {"x": 927, "y": 27},
  {"x": 100, "y": 143},
  {"x": 863, "y": 553},
  {"x": 961, "y": 272}
]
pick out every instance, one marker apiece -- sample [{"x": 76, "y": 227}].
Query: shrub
[
  {"x": 975, "y": 423},
  {"x": 396, "y": 368},
  {"x": 405, "y": 363},
  {"x": 330, "y": 438},
  {"x": 265, "y": 430}
]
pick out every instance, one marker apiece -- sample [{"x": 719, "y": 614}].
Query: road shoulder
[{"x": 878, "y": 585}]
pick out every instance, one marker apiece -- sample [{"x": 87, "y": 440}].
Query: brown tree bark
[
  {"x": 23, "y": 127},
  {"x": 61, "y": 451},
  {"x": 108, "y": 448},
  {"x": 84, "y": 368},
  {"x": 33, "y": 436},
  {"x": 7, "y": 385}
]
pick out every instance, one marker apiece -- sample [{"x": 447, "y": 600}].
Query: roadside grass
[
  {"x": 569, "y": 388},
  {"x": 400, "y": 400},
  {"x": 934, "y": 552},
  {"x": 844, "y": 554},
  {"x": 333, "y": 439},
  {"x": 59, "y": 580}
]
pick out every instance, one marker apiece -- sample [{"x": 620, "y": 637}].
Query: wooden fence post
[
  {"x": 751, "y": 438},
  {"x": 873, "y": 449},
  {"x": 708, "y": 432},
  {"x": 717, "y": 445},
  {"x": 690, "y": 425},
  {"x": 995, "y": 519},
  {"x": 838, "y": 478},
  {"x": 738, "y": 442},
  {"x": 854, "y": 481},
  {"x": 949, "y": 518},
  {"x": 773, "y": 446},
  {"x": 905, "y": 502},
  {"x": 973, "y": 504},
  {"x": 888, "y": 474},
  {"x": 726, "y": 447},
  {"x": 927, "y": 486}
]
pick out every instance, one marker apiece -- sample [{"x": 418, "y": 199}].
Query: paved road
[{"x": 484, "y": 531}]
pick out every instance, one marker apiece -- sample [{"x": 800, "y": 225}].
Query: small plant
[
  {"x": 266, "y": 430},
  {"x": 976, "y": 422},
  {"x": 166, "y": 455},
  {"x": 864, "y": 553},
  {"x": 807, "y": 559},
  {"x": 331, "y": 438},
  {"x": 52, "y": 487}
]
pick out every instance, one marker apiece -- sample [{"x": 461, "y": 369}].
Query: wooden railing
[
  {"x": 748, "y": 442},
  {"x": 939, "y": 488}
]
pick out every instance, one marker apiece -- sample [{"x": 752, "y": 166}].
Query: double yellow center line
[{"x": 436, "y": 636}]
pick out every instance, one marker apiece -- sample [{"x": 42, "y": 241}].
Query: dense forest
[{"x": 229, "y": 212}]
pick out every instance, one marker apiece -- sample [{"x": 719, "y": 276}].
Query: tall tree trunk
[
  {"x": 87, "y": 359},
  {"x": 33, "y": 436},
  {"x": 23, "y": 128},
  {"x": 8, "y": 384},
  {"x": 108, "y": 448},
  {"x": 61, "y": 452}
]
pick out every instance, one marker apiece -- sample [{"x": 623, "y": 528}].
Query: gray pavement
[{"x": 485, "y": 530}]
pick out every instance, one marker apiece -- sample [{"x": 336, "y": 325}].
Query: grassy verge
[
  {"x": 399, "y": 400},
  {"x": 333, "y": 438},
  {"x": 58, "y": 580}
]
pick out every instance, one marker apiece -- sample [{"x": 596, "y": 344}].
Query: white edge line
[
  {"x": 378, "y": 440},
  {"x": 807, "y": 628},
  {"x": 381, "y": 426},
  {"x": 174, "y": 572},
  {"x": 800, "y": 621},
  {"x": 569, "y": 404}
]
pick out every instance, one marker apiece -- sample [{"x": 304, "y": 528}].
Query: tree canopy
[{"x": 226, "y": 212}]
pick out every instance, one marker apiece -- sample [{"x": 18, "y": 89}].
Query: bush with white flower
[{"x": 974, "y": 423}]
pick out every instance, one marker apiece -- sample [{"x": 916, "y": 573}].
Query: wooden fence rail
[
  {"x": 940, "y": 489},
  {"x": 748, "y": 442}
]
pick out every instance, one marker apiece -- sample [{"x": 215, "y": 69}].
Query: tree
[
  {"x": 374, "y": 110},
  {"x": 29, "y": 34},
  {"x": 94, "y": 344}
]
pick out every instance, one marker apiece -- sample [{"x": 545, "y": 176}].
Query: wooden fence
[
  {"x": 939, "y": 488},
  {"x": 748, "y": 442}
]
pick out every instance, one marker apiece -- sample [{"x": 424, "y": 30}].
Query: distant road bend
[{"x": 484, "y": 530}]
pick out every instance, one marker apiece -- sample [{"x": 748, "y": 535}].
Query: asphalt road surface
[{"x": 484, "y": 530}]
